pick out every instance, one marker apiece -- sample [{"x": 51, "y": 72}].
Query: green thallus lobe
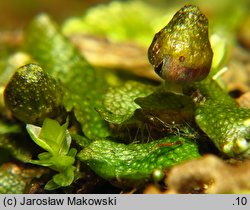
[
  {"x": 227, "y": 125},
  {"x": 135, "y": 162}
]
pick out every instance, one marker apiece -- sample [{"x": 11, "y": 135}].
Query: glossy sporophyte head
[
  {"x": 32, "y": 95},
  {"x": 181, "y": 52}
]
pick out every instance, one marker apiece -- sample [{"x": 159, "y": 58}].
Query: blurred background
[{"x": 16, "y": 13}]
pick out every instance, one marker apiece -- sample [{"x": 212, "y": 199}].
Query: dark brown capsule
[{"x": 181, "y": 51}]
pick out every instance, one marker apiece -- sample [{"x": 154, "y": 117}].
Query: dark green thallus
[{"x": 32, "y": 95}]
